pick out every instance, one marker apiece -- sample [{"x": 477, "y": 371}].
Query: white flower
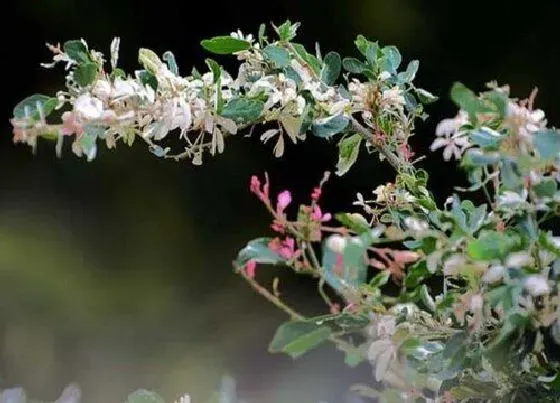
[
  {"x": 177, "y": 114},
  {"x": 393, "y": 97},
  {"x": 336, "y": 243},
  {"x": 381, "y": 191},
  {"x": 88, "y": 107},
  {"x": 537, "y": 285},
  {"x": 239, "y": 35},
  {"x": 519, "y": 259},
  {"x": 384, "y": 75},
  {"x": 494, "y": 274},
  {"x": 416, "y": 225},
  {"x": 450, "y": 137},
  {"x": 523, "y": 120},
  {"x": 101, "y": 89},
  {"x": 123, "y": 89},
  {"x": 338, "y": 107}
]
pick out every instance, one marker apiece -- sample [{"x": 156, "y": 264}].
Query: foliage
[{"x": 448, "y": 303}]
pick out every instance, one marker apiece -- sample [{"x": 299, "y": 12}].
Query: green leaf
[
  {"x": 144, "y": 396},
  {"x": 32, "y": 104},
  {"x": 85, "y": 74},
  {"x": 491, "y": 245},
  {"x": 362, "y": 44},
  {"x": 485, "y": 137},
  {"x": 225, "y": 45},
  {"x": 353, "y": 65},
  {"x": 147, "y": 79},
  {"x": 278, "y": 55},
  {"x": 424, "y": 96},
  {"x": 467, "y": 100},
  {"x": 150, "y": 60},
  {"x": 410, "y": 73},
  {"x": 546, "y": 188},
  {"x": 416, "y": 274},
  {"x": 353, "y": 221},
  {"x": 77, "y": 51},
  {"x": 348, "y": 150},
  {"x": 169, "y": 58},
  {"x": 547, "y": 143},
  {"x": 330, "y": 126},
  {"x": 332, "y": 66},
  {"x": 310, "y": 59},
  {"x": 215, "y": 69},
  {"x": 118, "y": 73},
  {"x": 243, "y": 110},
  {"x": 287, "y": 31},
  {"x": 295, "y": 338},
  {"x": 258, "y": 250},
  {"x": 393, "y": 57}
]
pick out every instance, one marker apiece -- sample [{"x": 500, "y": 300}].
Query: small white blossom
[
  {"x": 393, "y": 97},
  {"x": 123, "y": 89},
  {"x": 450, "y": 137},
  {"x": 102, "y": 89},
  {"x": 384, "y": 75},
  {"x": 494, "y": 274},
  {"x": 537, "y": 285},
  {"x": 519, "y": 259},
  {"x": 415, "y": 225},
  {"x": 524, "y": 120},
  {"x": 88, "y": 107}
]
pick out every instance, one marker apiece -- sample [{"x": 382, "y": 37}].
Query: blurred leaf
[
  {"x": 295, "y": 338},
  {"x": 32, "y": 105},
  {"x": 144, "y": 396},
  {"x": 258, "y": 250},
  {"x": 353, "y": 221},
  {"x": 547, "y": 143}
]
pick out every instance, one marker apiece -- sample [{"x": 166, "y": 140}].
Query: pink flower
[
  {"x": 255, "y": 187},
  {"x": 285, "y": 249},
  {"x": 250, "y": 268},
  {"x": 284, "y": 199},
  {"x": 317, "y": 215}
]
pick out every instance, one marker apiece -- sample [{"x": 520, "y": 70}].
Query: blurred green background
[{"x": 116, "y": 274}]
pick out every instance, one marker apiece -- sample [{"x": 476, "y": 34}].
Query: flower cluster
[{"x": 434, "y": 297}]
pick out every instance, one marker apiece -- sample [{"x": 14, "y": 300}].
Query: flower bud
[{"x": 494, "y": 274}]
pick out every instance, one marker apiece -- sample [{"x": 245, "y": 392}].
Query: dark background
[{"x": 116, "y": 274}]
